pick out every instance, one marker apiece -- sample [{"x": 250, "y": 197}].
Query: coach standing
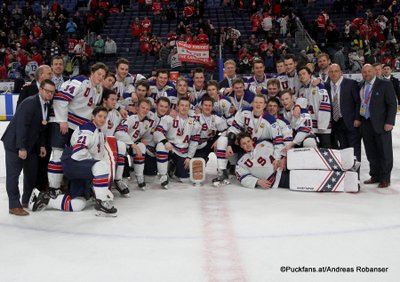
[
  {"x": 23, "y": 142},
  {"x": 378, "y": 111}
]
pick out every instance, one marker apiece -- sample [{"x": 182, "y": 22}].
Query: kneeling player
[{"x": 83, "y": 162}]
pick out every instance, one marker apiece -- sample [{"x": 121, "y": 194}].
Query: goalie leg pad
[
  {"x": 323, "y": 181},
  {"x": 322, "y": 159}
]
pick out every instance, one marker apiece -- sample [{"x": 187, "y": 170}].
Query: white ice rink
[{"x": 208, "y": 234}]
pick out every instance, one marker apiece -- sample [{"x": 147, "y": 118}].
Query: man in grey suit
[
  {"x": 345, "y": 100},
  {"x": 24, "y": 140},
  {"x": 378, "y": 113}
]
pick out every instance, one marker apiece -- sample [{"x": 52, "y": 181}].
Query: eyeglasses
[{"x": 48, "y": 91}]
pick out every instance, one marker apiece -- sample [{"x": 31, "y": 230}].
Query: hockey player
[
  {"x": 161, "y": 87},
  {"x": 273, "y": 108},
  {"x": 222, "y": 104},
  {"x": 273, "y": 88},
  {"x": 125, "y": 84},
  {"x": 255, "y": 169},
  {"x": 211, "y": 125},
  {"x": 292, "y": 81},
  {"x": 141, "y": 92},
  {"x": 260, "y": 124},
  {"x": 181, "y": 91},
  {"x": 317, "y": 101},
  {"x": 302, "y": 125},
  {"x": 114, "y": 118},
  {"x": 83, "y": 161},
  {"x": 154, "y": 117},
  {"x": 198, "y": 87},
  {"x": 177, "y": 139},
  {"x": 73, "y": 106},
  {"x": 257, "y": 84},
  {"x": 135, "y": 133},
  {"x": 240, "y": 98}
]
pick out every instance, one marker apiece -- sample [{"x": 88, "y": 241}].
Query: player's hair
[
  {"x": 121, "y": 61},
  {"x": 274, "y": 100},
  {"x": 237, "y": 81},
  {"x": 213, "y": 83},
  {"x": 290, "y": 56},
  {"x": 40, "y": 71},
  {"x": 286, "y": 91},
  {"x": 387, "y": 65},
  {"x": 97, "y": 66},
  {"x": 377, "y": 64},
  {"x": 323, "y": 55},
  {"x": 164, "y": 99},
  {"x": 274, "y": 81},
  {"x": 99, "y": 109},
  {"x": 198, "y": 70},
  {"x": 241, "y": 136},
  {"x": 230, "y": 62},
  {"x": 279, "y": 62},
  {"x": 257, "y": 61},
  {"x": 161, "y": 71},
  {"x": 182, "y": 78},
  {"x": 47, "y": 81},
  {"x": 260, "y": 96},
  {"x": 207, "y": 98},
  {"x": 111, "y": 74},
  {"x": 56, "y": 57},
  {"x": 183, "y": 99},
  {"x": 304, "y": 68},
  {"x": 144, "y": 83},
  {"x": 144, "y": 100},
  {"x": 107, "y": 93}
]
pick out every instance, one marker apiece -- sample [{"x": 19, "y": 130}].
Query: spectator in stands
[
  {"x": 71, "y": 27},
  {"x": 99, "y": 47},
  {"x": 339, "y": 58},
  {"x": 136, "y": 28},
  {"x": 110, "y": 47}
]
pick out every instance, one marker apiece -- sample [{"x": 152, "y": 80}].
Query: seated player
[
  {"x": 177, "y": 139},
  {"x": 84, "y": 161},
  {"x": 135, "y": 133},
  {"x": 301, "y": 125}
]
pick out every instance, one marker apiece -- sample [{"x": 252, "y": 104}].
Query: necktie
[
  {"x": 336, "y": 110},
  {"x": 367, "y": 93},
  {"x": 323, "y": 75}
]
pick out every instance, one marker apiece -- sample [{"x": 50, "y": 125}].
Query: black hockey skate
[
  {"x": 122, "y": 188},
  {"x": 223, "y": 178},
  {"x": 141, "y": 183},
  {"x": 105, "y": 208},
  {"x": 54, "y": 192},
  {"x": 38, "y": 200},
  {"x": 164, "y": 181}
]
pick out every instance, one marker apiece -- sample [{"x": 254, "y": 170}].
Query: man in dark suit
[
  {"x": 57, "y": 67},
  {"x": 378, "y": 113},
  {"x": 230, "y": 71},
  {"x": 387, "y": 73},
  {"x": 24, "y": 139},
  {"x": 345, "y": 99},
  {"x": 43, "y": 72}
]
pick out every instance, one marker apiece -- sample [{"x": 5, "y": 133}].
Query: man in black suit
[
  {"x": 387, "y": 73},
  {"x": 24, "y": 139},
  {"x": 43, "y": 72},
  {"x": 225, "y": 85},
  {"x": 378, "y": 113},
  {"x": 57, "y": 67},
  {"x": 345, "y": 99}
]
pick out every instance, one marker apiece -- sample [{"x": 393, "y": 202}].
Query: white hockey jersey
[
  {"x": 253, "y": 83},
  {"x": 183, "y": 134},
  {"x": 256, "y": 165},
  {"x": 114, "y": 118},
  {"x": 317, "y": 101},
  {"x": 286, "y": 130},
  {"x": 167, "y": 91},
  {"x": 210, "y": 126},
  {"x": 264, "y": 127},
  {"x": 154, "y": 121},
  {"x": 75, "y": 101},
  {"x": 87, "y": 143},
  {"x": 125, "y": 87},
  {"x": 302, "y": 126},
  {"x": 198, "y": 93},
  {"x": 132, "y": 129},
  {"x": 291, "y": 82},
  {"x": 244, "y": 102}
]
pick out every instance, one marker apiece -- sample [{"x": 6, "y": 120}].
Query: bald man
[
  {"x": 43, "y": 72},
  {"x": 378, "y": 113},
  {"x": 346, "y": 120}
]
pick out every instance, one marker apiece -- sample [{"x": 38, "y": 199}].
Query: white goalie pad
[
  {"x": 323, "y": 181},
  {"x": 320, "y": 158}
]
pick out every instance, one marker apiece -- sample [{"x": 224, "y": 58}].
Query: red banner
[{"x": 195, "y": 53}]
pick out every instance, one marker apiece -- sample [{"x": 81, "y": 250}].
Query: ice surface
[{"x": 209, "y": 234}]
